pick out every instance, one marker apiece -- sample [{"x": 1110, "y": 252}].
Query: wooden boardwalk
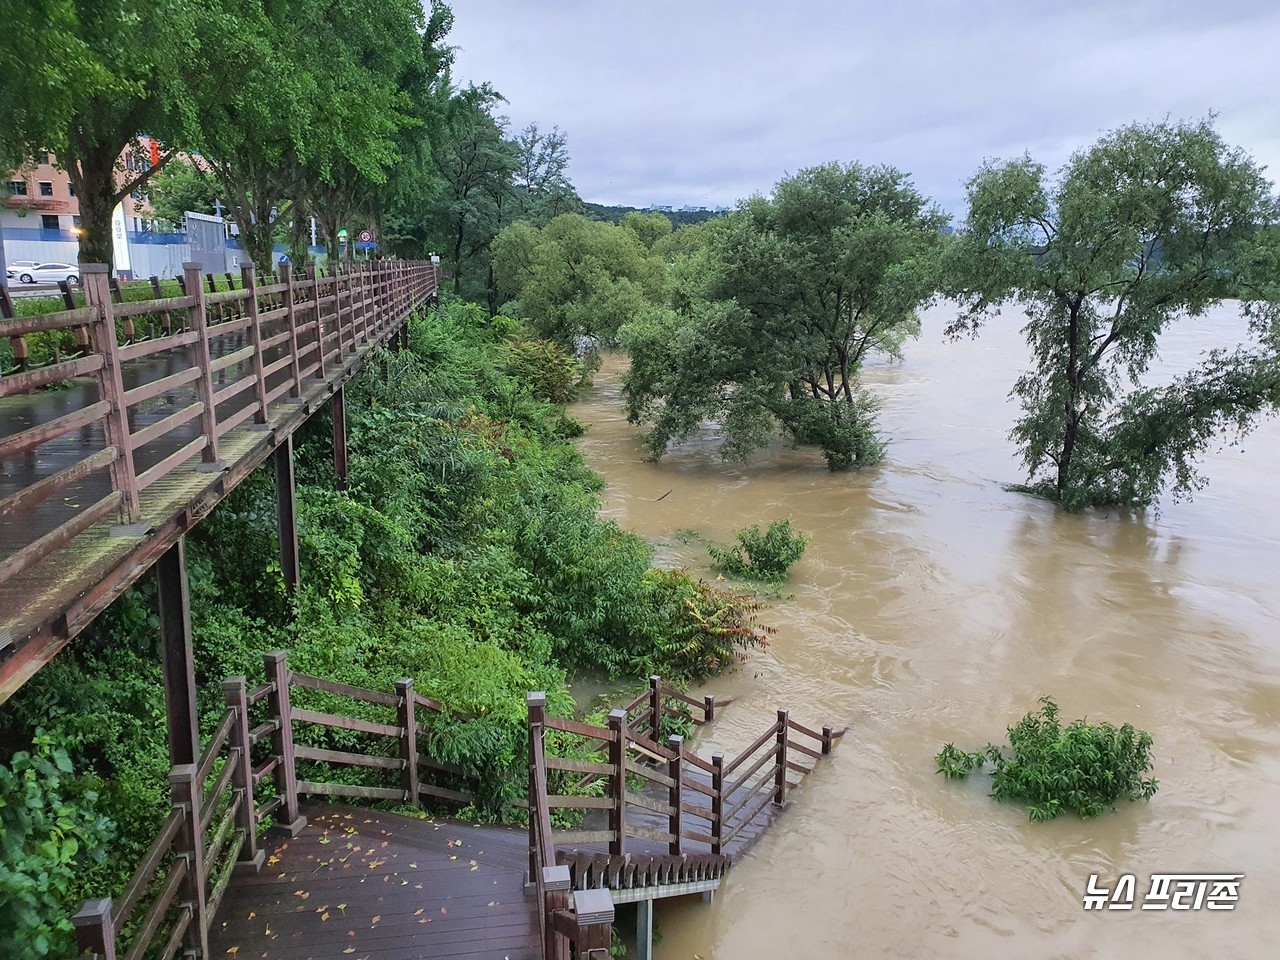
[{"x": 376, "y": 886}]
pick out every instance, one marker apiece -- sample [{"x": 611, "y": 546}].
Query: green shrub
[
  {"x": 761, "y": 556},
  {"x": 548, "y": 370},
  {"x": 45, "y": 841},
  {"x": 1084, "y": 767}
]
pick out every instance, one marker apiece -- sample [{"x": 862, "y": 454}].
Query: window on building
[
  {"x": 75, "y": 222},
  {"x": 49, "y": 221},
  {"x": 71, "y": 191},
  {"x": 17, "y": 188},
  {"x": 46, "y": 188}
]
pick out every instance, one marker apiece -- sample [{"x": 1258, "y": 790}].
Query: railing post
[
  {"x": 189, "y": 844},
  {"x": 407, "y": 722},
  {"x": 675, "y": 770},
  {"x": 288, "y": 819},
  {"x": 95, "y": 930},
  {"x": 828, "y": 735},
  {"x": 250, "y": 282},
  {"x": 717, "y": 803},
  {"x": 708, "y": 708},
  {"x": 102, "y": 340},
  {"x": 655, "y": 708},
  {"x": 251, "y": 858},
  {"x": 594, "y": 912},
  {"x": 536, "y": 703},
  {"x": 618, "y": 785},
  {"x": 291, "y": 320},
  {"x": 313, "y": 281},
  {"x": 555, "y": 886},
  {"x": 780, "y": 778},
  {"x": 198, "y": 321}
]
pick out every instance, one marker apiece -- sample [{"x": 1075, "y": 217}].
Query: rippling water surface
[{"x": 934, "y": 605}]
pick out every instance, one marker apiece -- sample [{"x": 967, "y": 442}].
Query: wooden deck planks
[{"x": 383, "y": 887}]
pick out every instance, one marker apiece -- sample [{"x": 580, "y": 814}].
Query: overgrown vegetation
[
  {"x": 466, "y": 553},
  {"x": 1083, "y": 768},
  {"x": 761, "y": 555}
]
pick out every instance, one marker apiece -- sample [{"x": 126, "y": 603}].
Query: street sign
[
  {"x": 342, "y": 235},
  {"x": 366, "y": 236}
]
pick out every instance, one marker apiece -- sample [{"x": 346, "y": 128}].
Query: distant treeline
[{"x": 678, "y": 218}]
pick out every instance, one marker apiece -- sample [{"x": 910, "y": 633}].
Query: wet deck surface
[{"x": 375, "y": 886}]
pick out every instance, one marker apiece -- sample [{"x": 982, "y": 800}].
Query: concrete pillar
[{"x": 644, "y": 930}]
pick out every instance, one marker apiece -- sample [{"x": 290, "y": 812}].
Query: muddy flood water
[{"x": 935, "y": 605}]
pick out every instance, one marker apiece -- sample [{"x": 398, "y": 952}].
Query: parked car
[
  {"x": 50, "y": 273},
  {"x": 14, "y": 267}
]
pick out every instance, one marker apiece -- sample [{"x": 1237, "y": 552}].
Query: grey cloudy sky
[{"x": 705, "y": 102}]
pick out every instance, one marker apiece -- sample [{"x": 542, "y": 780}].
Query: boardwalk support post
[
  {"x": 236, "y": 697},
  {"x": 288, "y": 820},
  {"x": 177, "y": 655},
  {"x": 286, "y": 514},
  {"x": 188, "y": 795},
  {"x": 618, "y": 783},
  {"x": 555, "y": 886},
  {"x": 644, "y": 929},
  {"x": 827, "y": 737},
  {"x": 339, "y": 408},
  {"x": 780, "y": 778},
  {"x": 675, "y": 770},
  {"x": 594, "y": 912},
  {"x": 717, "y": 803},
  {"x": 95, "y": 930},
  {"x": 409, "y": 742},
  {"x": 708, "y": 708}
]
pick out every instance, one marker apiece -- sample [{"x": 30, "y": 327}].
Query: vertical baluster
[
  {"x": 675, "y": 770},
  {"x": 291, "y": 320},
  {"x": 536, "y": 704},
  {"x": 288, "y": 819},
  {"x": 655, "y": 708},
  {"x": 250, "y": 281},
  {"x": 200, "y": 354},
  {"x": 618, "y": 784},
  {"x": 95, "y": 929},
  {"x": 188, "y": 795},
  {"x": 717, "y": 803},
  {"x": 780, "y": 778},
  {"x": 235, "y": 696},
  {"x": 408, "y": 739},
  {"x": 102, "y": 333}
]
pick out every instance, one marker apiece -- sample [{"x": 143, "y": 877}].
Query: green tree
[
  {"x": 180, "y": 187},
  {"x": 476, "y": 164},
  {"x": 649, "y": 228},
  {"x": 542, "y": 187},
  {"x": 779, "y": 307},
  {"x": 1152, "y": 224},
  {"x": 83, "y": 79},
  {"x": 576, "y": 277}
]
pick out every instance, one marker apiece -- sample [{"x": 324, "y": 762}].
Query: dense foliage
[
  {"x": 762, "y": 555},
  {"x": 1084, "y": 768},
  {"x": 1151, "y": 225},
  {"x": 466, "y": 554},
  {"x": 774, "y": 314}
]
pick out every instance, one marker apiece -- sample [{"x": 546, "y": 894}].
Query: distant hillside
[{"x": 678, "y": 218}]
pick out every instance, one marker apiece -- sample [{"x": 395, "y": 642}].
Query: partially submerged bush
[
  {"x": 1084, "y": 768},
  {"x": 760, "y": 555},
  {"x": 549, "y": 371}
]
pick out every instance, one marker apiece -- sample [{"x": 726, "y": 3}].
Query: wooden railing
[
  {"x": 173, "y": 895},
  {"x": 213, "y": 826},
  {"x": 585, "y": 928},
  {"x": 224, "y": 357},
  {"x": 690, "y": 804}
]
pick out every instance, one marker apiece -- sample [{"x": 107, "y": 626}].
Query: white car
[
  {"x": 50, "y": 273},
  {"x": 13, "y": 267}
]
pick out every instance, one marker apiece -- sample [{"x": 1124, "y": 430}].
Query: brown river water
[{"x": 935, "y": 605}]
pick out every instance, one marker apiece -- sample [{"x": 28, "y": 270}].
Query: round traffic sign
[{"x": 366, "y": 236}]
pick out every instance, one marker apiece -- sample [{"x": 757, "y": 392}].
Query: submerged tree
[
  {"x": 1151, "y": 224},
  {"x": 783, "y": 303}
]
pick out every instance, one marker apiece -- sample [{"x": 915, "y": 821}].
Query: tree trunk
[{"x": 94, "y": 182}]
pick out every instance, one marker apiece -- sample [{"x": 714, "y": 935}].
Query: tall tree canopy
[
  {"x": 575, "y": 277},
  {"x": 83, "y": 79},
  {"x": 1151, "y": 224},
  {"x": 787, "y": 298}
]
